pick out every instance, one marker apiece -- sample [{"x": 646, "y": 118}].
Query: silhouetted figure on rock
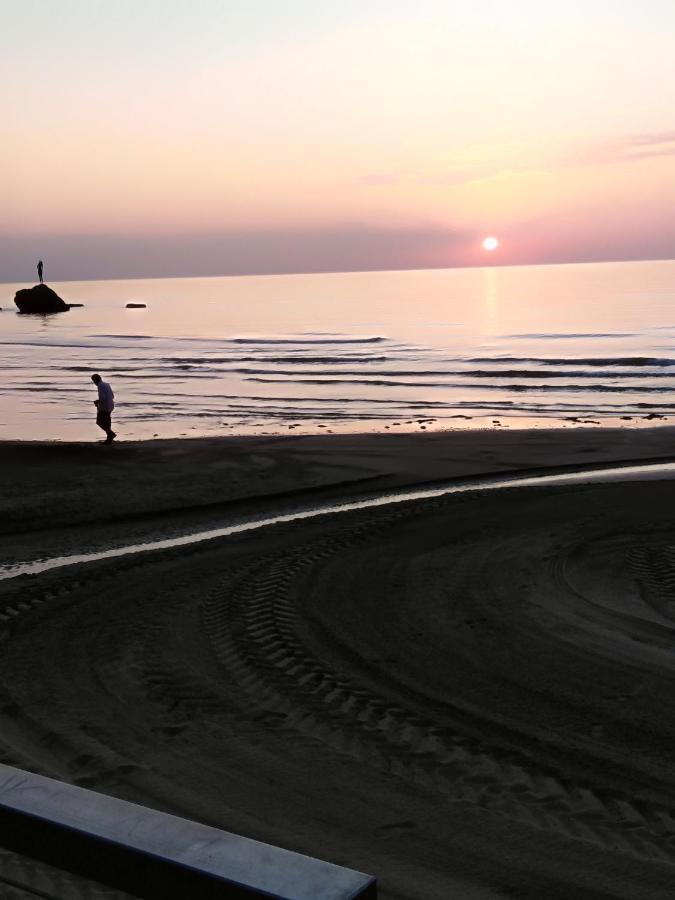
[
  {"x": 104, "y": 407},
  {"x": 39, "y": 268}
]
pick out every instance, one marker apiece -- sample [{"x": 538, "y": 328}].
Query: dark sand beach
[{"x": 466, "y": 697}]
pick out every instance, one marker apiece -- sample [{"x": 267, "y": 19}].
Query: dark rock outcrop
[{"x": 39, "y": 299}]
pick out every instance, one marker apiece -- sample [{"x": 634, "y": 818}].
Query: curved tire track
[{"x": 251, "y": 627}]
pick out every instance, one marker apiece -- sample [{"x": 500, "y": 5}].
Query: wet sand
[
  {"x": 51, "y": 485},
  {"x": 466, "y": 697}
]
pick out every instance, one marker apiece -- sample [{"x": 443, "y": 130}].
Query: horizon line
[{"x": 506, "y": 265}]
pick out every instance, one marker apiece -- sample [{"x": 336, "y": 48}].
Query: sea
[{"x": 504, "y": 347}]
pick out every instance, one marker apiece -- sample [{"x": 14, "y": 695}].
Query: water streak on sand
[{"x": 578, "y": 476}]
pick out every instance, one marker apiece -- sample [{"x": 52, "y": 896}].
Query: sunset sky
[{"x": 146, "y": 137}]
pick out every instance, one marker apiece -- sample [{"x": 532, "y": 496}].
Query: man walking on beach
[
  {"x": 104, "y": 407},
  {"x": 39, "y": 268}
]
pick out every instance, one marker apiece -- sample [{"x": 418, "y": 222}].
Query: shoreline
[
  {"x": 48, "y": 485},
  {"x": 86, "y": 433}
]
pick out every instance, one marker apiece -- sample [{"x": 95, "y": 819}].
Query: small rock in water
[{"x": 136, "y": 306}]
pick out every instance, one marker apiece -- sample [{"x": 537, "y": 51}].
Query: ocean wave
[
  {"x": 157, "y": 376},
  {"x": 565, "y": 335},
  {"x": 345, "y": 359},
  {"x": 296, "y": 373},
  {"x": 656, "y": 361},
  {"x": 458, "y": 373},
  {"x": 127, "y": 337},
  {"x": 543, "y": 373},
  {"x": 559, "y": 388},
  {"x": 44, "y": 389},
  {"x": 265, "y": 341}
]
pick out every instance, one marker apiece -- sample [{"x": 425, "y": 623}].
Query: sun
[{"x": 490, "y": 243}]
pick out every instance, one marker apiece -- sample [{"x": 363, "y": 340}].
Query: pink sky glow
[{"x": 222, "y": 141}]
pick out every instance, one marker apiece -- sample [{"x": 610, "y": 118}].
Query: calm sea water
[{"x": 540, "y": 345}]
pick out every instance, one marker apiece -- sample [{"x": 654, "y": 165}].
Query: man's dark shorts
[{"x": 103, "y": 419}]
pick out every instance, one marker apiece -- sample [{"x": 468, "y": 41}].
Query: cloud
[
  {"x": 630, "y": 148},
  {"x": 346, "y": 247},
  {"x": 647, "y": 145}
]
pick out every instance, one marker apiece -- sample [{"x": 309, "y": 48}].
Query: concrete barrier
[{"x": 154, "y": 855}]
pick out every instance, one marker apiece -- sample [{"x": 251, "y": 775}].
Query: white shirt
[{"x": 106, "y": 401}]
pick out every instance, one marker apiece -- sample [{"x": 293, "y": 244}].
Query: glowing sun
[{"x": 490, "y": 243}]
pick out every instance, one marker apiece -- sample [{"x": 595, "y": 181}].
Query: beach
[
  {"x": 468, "y": 696},
  {"x": 369, "y": 590}
]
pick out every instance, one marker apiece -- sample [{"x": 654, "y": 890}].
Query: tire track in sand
[
  {"x": 250, "y": 621},
  {"x": 251, "y": 627}
]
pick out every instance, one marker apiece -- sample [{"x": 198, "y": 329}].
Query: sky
[{"x": 166, "y": 137}]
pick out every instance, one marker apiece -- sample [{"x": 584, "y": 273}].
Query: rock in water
[
  {"x": 136, "y": 306},
  {"x": 39, "y": 299}
]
